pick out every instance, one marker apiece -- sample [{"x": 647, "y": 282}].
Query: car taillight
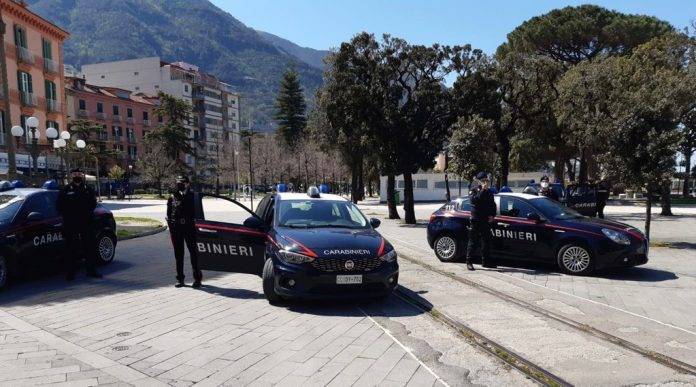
[{"x": 432, "y": 217}]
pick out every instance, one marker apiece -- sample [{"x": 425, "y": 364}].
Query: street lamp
[
  {"x": 32, "y": 139},
  {"x": 60, "y": 143}
]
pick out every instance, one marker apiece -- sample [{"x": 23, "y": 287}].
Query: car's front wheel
[
  {"x": 269, "y": 282},
  {"x": 4, "y": 272},
  {"x": 106, "y": 248},
  {"x": 447, "y": 248},
  {"x": 575, "y": 259}
]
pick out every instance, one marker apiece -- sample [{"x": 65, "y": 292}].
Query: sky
[{"x": 324, "y": 24}]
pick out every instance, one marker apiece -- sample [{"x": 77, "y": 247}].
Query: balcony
[
  {"x": 50, "y": 66},
  {"x": 82, "y": 113},
  {"x": 131, "y": 138},
  {"x": 101, "y": 115},
  {"x": 116, "y": 117},
  {"x": 25, "y": 55},
  {"x": 129, "y": 120},
  {"x": 52, "y": 106},
  {"x": 117, "y": 138},
  {"x": 28, "y": 99},
  {"x": 146, "y": 122}
]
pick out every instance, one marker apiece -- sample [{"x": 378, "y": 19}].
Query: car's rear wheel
[
  {"x": 106, "y": 248},
  {"x": 575, "y": 259},
  {"x": 269, "y": 282},
  {"x": 4, "y": 272},
  {"x": 447, "y": 248}
]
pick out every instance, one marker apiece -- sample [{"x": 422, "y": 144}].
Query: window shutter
[
  {"x": 31, "y": 87},
  {"x": 19, "y": 81}
]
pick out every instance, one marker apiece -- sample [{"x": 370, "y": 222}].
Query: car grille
[{"x": 339, "y": 264}]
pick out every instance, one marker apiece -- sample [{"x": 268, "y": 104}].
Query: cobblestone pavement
[{"x": 133, "y": 327}]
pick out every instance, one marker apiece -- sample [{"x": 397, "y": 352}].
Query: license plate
[{"x": 348, "y": 279}]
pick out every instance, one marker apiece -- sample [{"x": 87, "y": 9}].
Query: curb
[{"x": 143, "y": 234}]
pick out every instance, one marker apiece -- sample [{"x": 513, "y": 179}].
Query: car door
[
  {"x": 229, "y": 236},
  {"x": 518, "y": 235},
  {"x": 38, "y": 238}
]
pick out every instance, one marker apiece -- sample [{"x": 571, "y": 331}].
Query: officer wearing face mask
[
  {"x": 182, "y": 229},
  {"x": 483, "y": 210},
  {"x": 546, "y": 190},
  {"x": 76, "y": 203}
]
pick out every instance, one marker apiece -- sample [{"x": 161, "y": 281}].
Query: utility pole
[{"x": 6, "y": 124}]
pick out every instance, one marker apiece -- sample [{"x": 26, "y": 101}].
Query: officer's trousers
[
  {"x": 479, "y": 236},
  {"x": 80, "y": 243},
  {"x": 180, "y": 235}
]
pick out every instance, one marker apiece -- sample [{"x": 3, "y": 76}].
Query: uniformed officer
[
  {"x": 483, "y": 210},
  {"x": 546, "y": 190},
  {"x": 603, "y": 188},
  {"x": 76, "y": 203},
  {"x": 182, "y": 228}
]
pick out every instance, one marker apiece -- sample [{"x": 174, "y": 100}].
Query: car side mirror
[
  {"x": 534, "y": 216},
  {"x": 374, "y": 222},
  {"x": 254, "y": 222},
  {"x": 35, "y": 216}
]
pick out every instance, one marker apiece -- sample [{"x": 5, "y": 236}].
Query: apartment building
[
  {"x": 125, "y": 116},
  {"x": 33, "y": 58},
  {"x": 215, "y": 106}
]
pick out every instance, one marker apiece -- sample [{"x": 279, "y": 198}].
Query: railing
[
  {"x": 28, "y": 99},
  {"x": 146, "y": 122},
  {"x": 82, "y": 113},
  {"x": 117, "y": 138},
  {"x": 50, "y": 66},
  {"x": 52, "y": 105},
  {"x": 101, "y": 115},
  {"x": 25, "y": 55},
  {"x": 116, "y": 117},
  {"x": 129, "y": 120}
]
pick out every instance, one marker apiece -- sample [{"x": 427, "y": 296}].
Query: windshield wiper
[{"x": 295, "y": 225}]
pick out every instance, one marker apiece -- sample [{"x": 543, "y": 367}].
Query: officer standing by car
[
  {"x": 483, "y": 210},
  {"x": 546, "y": 190},
  {"x": 603, "y": 188},
  {"x": 182, "y": 229},
  {"x": 76, "y": 203}
]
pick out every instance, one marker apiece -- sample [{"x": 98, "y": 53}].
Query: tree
[
  {"x": 473, "y": 147},
  {"x": 116, "y": 173},
  {"x": 154, "y": 165},
  {"x": 687, "y": 146},
  {"x": 290, "y": 110},
  {"x": 172, "y": 133}
]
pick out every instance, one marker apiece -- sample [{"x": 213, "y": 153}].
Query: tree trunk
[
  {"x": 354, "y": 184},
  {"x": 571, "y": 170},
  {"x": 582, "y": 173},
  {"x": 648, "y": 215},
  {"x": 687, "y": 173},
  {"x": 448, "y": 195},
  {"x": 361, "y": 182},
  {"x": 504, "y": 161},
  {"x": 558, "y": 164},
  {"x": 391, "y": 204},
  {"x": 666, "y": 198},
  {"x": 409, "y": 210}
]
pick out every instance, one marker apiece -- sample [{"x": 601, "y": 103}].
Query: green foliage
[
  {"x": 472, "y": 147},
  {"x": 155, "y": 166},
  {"x": 116, "y": 172},
  {"x": 172, "y": 133},
  {"x": 290, "y": 114}
]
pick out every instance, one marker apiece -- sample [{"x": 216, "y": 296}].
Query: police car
[
  {"x": 31, "y": 230},
  {"x": 314, "y": 245},
  {"x": 534, "y": 228}
]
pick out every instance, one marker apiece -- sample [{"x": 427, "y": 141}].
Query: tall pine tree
[{"x": 290, "y": 111}]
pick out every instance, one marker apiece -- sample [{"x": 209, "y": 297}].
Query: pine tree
[{"x": 290, "y": 110}]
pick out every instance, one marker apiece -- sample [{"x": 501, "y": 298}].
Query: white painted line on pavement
[
  {"x": 405, "y": 348},
  {"x": 573, "y": 295}
]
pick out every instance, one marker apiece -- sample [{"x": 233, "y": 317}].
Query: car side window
[
  {"x": 40, "y": 202},
  {"x": 515, "y": 207},
  {"x": 465, "y": 205},
  {"x": 263, "y": 205}
]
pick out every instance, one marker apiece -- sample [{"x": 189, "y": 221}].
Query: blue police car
[
  {"x": 304, "y": 245},
  {"x": 533, "y": 228},
  {"x": 31, "y": 230}
]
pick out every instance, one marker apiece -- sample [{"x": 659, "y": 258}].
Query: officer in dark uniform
[
  {"x": 483, "y": 210},
  {"x": 182, "y": 228},
  {"x": 603, "y": 188},
  {"x": 76, "y": 203},
  {"x": 546, "y": 190}
]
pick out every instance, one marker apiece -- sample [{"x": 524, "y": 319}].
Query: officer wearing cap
[
  {"x": 182, "y": 229},
  {"x": 76, "y": 203},
  {"x": 483, "y": 210},
  {"x": 546, "y": 189}
]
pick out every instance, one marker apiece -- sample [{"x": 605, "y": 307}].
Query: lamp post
[
  {"x": 61, "y": 143},
  {"x": 130, "y": 174},
  {"x": 32, "y": 142}
]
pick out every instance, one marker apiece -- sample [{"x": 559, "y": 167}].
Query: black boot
[
  {"x": 179, "y": 282},
  {"x": 196, "y": 284},
  {"x": 469, "y": 265}
]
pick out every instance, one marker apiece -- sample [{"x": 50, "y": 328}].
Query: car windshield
[
  {"x": 554, "y": 210},
  {"x": 9, "y": 205},
  {"x": 320, "y": 213}
]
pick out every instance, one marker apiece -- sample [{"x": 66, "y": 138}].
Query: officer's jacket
[
  {"x": 180, "y": 208},
  {"x": 549, "y": 193},
  {"x": 482, "y": 204},
  {"x": 76, "y": 204}
]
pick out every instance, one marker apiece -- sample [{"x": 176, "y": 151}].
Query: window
[
  {"x": 156, "y": 86},
  {"x": 133, "y": 152},
  {"x": 43, "y": 203},
  {"x": 24, "y": 82},
  {"x": 421, "y": 184},
  {"x": 20, "y": 36},
  {"x": 100, "y": 107},
  {"x": 2, "y": 127},
  {"x": 400, "y": 184},
  {"x": 137, "y": 88},
  {"x": 116, "y": 109},
  {"x": 102, "y": 77},
  {"x": 47, "y": 49},
  {"x": 512, "y": 206},
  {"x": 53, "y": 124},
  {"x": 452, "y": 184},
  {"x": 129, "y": 112},
  {"x": 50, "y": 90},
  {"x": 146, "y": 116},
  {"x": 82, "y": 104},
  {"x": 159, "y": 118},
  {"x": 136, "y": 73},
  {"x": 186, "y": 88}
]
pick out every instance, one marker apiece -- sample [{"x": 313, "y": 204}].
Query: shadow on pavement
[
  {"x": 642, "y": 274},
  {"x": 230, "y": 292},
  {"x": 681, "y": 245}
]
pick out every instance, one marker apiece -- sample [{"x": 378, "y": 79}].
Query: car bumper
[
  {"x": 310, "y": 283},
  {"x": 634, "y": 255}
]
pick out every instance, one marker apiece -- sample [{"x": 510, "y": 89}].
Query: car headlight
[
  {"x": 616, "y": 236},
  {"x": 389, "y": 257},
  {"x": 290, "y": 257}
]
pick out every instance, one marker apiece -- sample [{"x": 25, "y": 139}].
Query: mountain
[
  {"x": 308, "y": 55},
  {"x": 194, "y": 31}
]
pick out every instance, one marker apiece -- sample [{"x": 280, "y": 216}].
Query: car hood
[
  {"x": 332, "y": 242},
  {"x": 596, "y": 224}
]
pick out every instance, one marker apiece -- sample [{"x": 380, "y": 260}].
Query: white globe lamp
[
  {"x": 51, "y": 132},
  {"x": 17, "y": 131}
]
